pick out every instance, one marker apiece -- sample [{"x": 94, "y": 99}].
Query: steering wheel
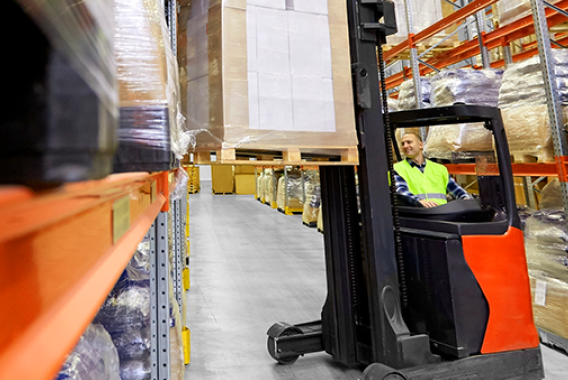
[{"x": 405, "y": 200}]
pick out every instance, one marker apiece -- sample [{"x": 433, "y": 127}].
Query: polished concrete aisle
[{"x": 250, "y": 267}]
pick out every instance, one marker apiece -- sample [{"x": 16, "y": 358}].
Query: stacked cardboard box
[{"x": 263, "y": 74}]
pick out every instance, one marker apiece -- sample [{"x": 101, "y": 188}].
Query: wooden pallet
[
  {"x": 338, "y": 156},
  {"x": 541, "y": 156}
]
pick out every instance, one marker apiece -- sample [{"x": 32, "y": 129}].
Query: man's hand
[{"x": 428, "y": 204}]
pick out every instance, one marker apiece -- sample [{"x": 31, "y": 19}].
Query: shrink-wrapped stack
[
  {"x": 513, "y": 10},
  {"x": 522, "y": 99},
  {"x": 313, "y": 197},
  {"x": 126, "y": 316},
  {"x": 407, "y": 101},
  {"x": 546, "y": 242},
  {"x": 59, "y": 109},
  {"x": 290, "y": 191},
  {"x": 424, "y": 14},
  {"x": 264, "y": 74},
  {"x": 473, "y": 87},
  {"x": 151, "y": 123},
  {"x": 93, "y": 358}
]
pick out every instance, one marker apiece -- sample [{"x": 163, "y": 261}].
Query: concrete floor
[{"x": 250, "y": 267}]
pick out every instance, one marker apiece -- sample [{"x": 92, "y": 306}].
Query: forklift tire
[
  {"x": 379, "y": 371},
  {"x": 284, "y": 331}
]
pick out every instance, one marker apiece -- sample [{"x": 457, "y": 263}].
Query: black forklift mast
[{"x": 374, "y": 326}]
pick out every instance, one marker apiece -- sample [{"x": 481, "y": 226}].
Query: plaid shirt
[{"x": 453, "y": 188}]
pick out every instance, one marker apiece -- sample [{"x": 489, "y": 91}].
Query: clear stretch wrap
[
  {"x": 253, "y": 78},
  {"x": 407, "y": 101},
  {"x": 313, "y": 196},
  {"x": 93, "y": 358},
  {"x": 261, "y": 185},
  {"x": 393, "y": 104},
  {"x": 424, "y": 14},
  {"x": 83, "y": 32},
  {"x": 148, "y": 78},
  {"x": 126, "y": 316},
  {"x": 522, "y": 100},
  {"x": 551, "y": 195},
  {"x": 476, "y": 87},
  {"x": 550, "y": 297},
  {"x": 293, "y": 187},
  {"x": 546, "y": 242},
  {"x": 512, "y": 10}
]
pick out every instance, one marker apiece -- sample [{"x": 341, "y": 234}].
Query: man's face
[{"x": 411, "y": 145}]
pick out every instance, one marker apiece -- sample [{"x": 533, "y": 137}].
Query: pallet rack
[
  {"x": 544, "y": 15},
  {"x": 62, "y": 250}
]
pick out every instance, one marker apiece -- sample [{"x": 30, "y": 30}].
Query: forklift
[{"x": 417, "y": 293}]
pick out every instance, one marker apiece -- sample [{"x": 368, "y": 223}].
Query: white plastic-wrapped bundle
[
  {"x": 474, "y": 87},
  {"x": 291, "y": 189},
  {"x": 513, "y": 10},
  {"x": 407, "y": 101},
  {"x": 151, "y": 123},
  {"x": 126, "y": 316},
  {"x": 94, "y": 357},
  {"x": 407, "y": 97},
  {"x": 313, "y": 197},
  {"x": 546, "y": 242},
  {"x": 522, "y": 100}
]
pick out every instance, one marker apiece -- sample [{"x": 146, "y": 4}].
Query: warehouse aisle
[{"x": 250, "y": 267}]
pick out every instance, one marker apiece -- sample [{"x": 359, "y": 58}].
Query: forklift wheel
[
  {"x": 287, "y": 331},
  {"x": 379, "y": 371}
]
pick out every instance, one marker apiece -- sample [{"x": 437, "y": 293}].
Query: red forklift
[{"x": 417, "y": 293}]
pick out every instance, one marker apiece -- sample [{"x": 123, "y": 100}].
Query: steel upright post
[{"x": 552, "y": 96}]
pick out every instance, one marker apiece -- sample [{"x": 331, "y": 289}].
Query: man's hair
[{"x": 413, "y": 134}]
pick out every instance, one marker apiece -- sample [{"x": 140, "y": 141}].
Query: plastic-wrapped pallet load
[
  {"x": 254, "y": 80},
  {"x": 261, "y": 186},
  {"x": 407, "y": 101},
  {"x": 424, "y": 14},
  {"x": 294, "y": 188},
  {"x": 313, "y": 198},
  {"x": 93, "y": 358},
  {"x": 512, "y": 10},
  {"x": 126, "y": 316},
  {"x": 59, "y": 112},
  {"x": 151, "y": 123},
  {"x": 475, "y": 87},
  {"x": 522, "y": 100},
  {"x": 271, "y": 184},
  {"x": 546, "y": 242}
]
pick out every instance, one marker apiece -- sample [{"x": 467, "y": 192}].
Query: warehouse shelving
[
  {"x": 62, "y": 251},
  {"x": 536, "y": 23}
]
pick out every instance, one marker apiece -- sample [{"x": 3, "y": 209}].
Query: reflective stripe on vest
[
  {"x": 430, "y": 185},
  {"x": 431, "y": 196}
]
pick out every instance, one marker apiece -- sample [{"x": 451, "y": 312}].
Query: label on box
[
  {"x": 540, "y": 293},
  {"x": 120, "y": 217}
]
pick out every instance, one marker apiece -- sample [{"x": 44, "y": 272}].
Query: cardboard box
[
  {"x": 266, "y": 84},
  {"x": 550, "y": 297},
  {"x": 222, "y": 179},
  {"x": 245, "y": 184}
]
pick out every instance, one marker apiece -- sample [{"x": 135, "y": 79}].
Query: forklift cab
[{"x": 458, "y": 256}]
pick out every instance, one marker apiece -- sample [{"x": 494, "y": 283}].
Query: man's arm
[{"x": 456, "y": 190}]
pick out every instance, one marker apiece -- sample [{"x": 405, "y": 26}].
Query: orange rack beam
[
  {"x": 60, "y": 255},
  {"x": 444, "y": 23},
  {"x": 499, "y": 37},
  {"x": 519, "y": 170}
]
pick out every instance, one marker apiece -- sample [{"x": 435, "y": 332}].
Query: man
[{"x": 422, "y": 179}]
